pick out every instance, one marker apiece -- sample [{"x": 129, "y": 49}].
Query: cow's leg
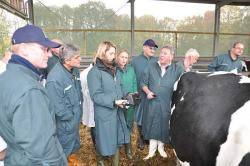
[
  {"x": 237, "y": 144},
  {"x": 179, "y": 162}
]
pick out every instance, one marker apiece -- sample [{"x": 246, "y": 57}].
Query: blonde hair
[
  {"x": 103, "y": 48},
  {"x": 121, "y": 51}
]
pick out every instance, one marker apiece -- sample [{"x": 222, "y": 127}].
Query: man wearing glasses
[
  {"x": 27, "y": 119},
  {"x": 139, "y": 63},
  {"x": 229, "y": 61}
]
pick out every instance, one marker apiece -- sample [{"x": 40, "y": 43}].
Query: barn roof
[{"x": 218, "y": 2}]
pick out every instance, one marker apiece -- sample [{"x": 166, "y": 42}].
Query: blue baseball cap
[
  {"x": 151, "y": 43},
  {"x": 32, "y": 34}
]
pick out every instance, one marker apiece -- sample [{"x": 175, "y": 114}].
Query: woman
[
  {"x": 129, "y": 84},
  {"x": 105, "y": 92}
]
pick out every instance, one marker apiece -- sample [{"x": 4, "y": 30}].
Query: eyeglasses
[{"x": 239, "y": 48}]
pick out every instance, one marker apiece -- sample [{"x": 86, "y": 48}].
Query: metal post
[
  {"x": 132, "y": 2},
  {"x": 176, "y": 38},
  {"x": 85, "y": 43},
  {"x": 31, "y": 11},
  {"x": 216, "y": 29}
]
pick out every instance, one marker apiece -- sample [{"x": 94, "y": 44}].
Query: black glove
[{"x": 133, "y": 98}]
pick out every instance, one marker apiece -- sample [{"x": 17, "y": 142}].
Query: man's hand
[{"x": 151, "y": 95}]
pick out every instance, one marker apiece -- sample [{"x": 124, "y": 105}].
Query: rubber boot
[
  {"x": 140, "y": 141},
  {"x": 73, "y": 160},
  {"x": 92, "y": 133},
  {"x": 99, "y": 160},
  {"x": 128, "y": 151},
  {"x": 161, "y": 149},
  {"x": 115, "y": 159},
  {"x": 152, "y": 149}
]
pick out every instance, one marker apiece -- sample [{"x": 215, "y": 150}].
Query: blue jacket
[{"x": 65, "y": 93}]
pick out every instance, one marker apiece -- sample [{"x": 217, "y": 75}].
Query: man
[
  {"x": 27, "y": 118},
  {"x": 229, "y": 61},
  {"x": 53, "y": 60},
  {"x": 191, "y": 58},
  {"x": 64, "y": 89},
  {"x": 157, "y": 82},
  {"x": 3, "y": 62},
  {"x": 139, "y": 63}
]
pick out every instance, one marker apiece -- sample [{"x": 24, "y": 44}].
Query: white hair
[{"x": 192, "y": 52}]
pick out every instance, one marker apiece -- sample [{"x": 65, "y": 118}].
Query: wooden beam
[{"x": 15, "y": 7}]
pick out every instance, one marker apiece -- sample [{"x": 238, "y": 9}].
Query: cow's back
[{"x": 201, "y": 118}]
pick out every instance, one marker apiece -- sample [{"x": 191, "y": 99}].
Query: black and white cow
[{"x": 210, "y": 121}]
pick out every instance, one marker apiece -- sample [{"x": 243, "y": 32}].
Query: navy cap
[
  {"x": 32, "y": 34},
  {"x": 151, "y": 43}
]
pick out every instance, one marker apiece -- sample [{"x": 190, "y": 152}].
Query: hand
[
  {"x": 121, "y": 103},
  {"x": 151, "y": 95}
]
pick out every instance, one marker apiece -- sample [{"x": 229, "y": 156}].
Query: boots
[
  {"x": 72, "y": 160},
  {"x": 152, "y": 149},
  {"x": 115, "y": 159},
  {"x": 140, "y": 141},
  {"x": 99, "y": 160},
  {"x": 128, "y": 151},
  {"x": 161, "y": 149}
]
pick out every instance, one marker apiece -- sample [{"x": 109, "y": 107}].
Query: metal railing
[{"x": 174, "y": 33}]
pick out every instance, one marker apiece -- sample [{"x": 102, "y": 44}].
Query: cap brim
[
  {"x": 49, "y": 44},
  {"x": 150, "y": 45}
]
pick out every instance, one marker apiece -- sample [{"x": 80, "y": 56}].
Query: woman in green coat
[
  {"x": 129, "y": 84},
  {"x": 106, "y": 94}
]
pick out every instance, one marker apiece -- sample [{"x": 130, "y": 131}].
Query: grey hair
[
  {"x": 67, "y": 51},
  {"x": 171, "y": 49},
  {"x": 192, "y": 51}
]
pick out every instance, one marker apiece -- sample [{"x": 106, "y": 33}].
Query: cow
[{"x": 210, "y": 120}]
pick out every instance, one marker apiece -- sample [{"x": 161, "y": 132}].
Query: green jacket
[
  {"x": 225, "y": 63},
  {"x": 129, "y": 84},
  {"x": 110, "y": 125},
  {"x": 155, "y": 124},
  {"x": 140, "y": 63},
  {"x": 65, "y": 92},
  {"x": 27, "y": 120}
]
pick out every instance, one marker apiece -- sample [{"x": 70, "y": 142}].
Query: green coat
[
  {"x": 155, "y": 120},
  {"x": 225, "y": 63},
  {"x": 27, "y": 120},
  {"x": 129, "y": 84},
  {"x": 65, "y": 92},
  {"x": 140, "y": 63},
  {"x": 52, "y": 62},
  {"x": 110, "y": 125}
]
